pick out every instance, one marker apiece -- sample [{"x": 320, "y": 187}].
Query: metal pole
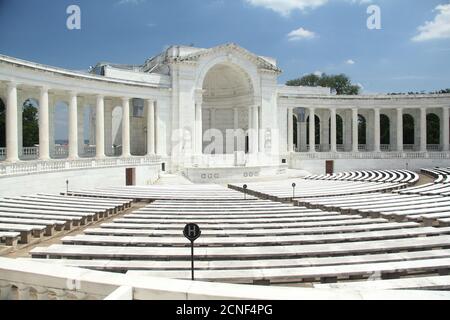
[{"x": 192, "y": 260}]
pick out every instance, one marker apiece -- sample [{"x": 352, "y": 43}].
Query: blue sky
[
  {"x": 129, "y": 31},
  {"x": 333, "y": 36}
]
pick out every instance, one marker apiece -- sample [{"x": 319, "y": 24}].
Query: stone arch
[
  {"x": 339, "y": 130},
  {"x": 227, "y": 90},
  {"x": 317, "y": 127},
  {"x": 385, "y": 129},
  {"x": 433, "y": 129},
  {"x": 408, "y": 129},
  {"x": 232, "y": 61},
  {"x": 362, "y": 130},
  {"x": 29, "y": 127},
  {"x": 59, "y": 145},
  {"x": 116, "y": 129}
]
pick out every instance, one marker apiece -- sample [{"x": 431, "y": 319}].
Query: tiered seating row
[
  {"x": 397, "y": 176},
  {"x": 441, "y": 185},
  {"x": 148, "y": 193},
  {"x": 255, "y": 240},
  {"x": 442, "y": 175},
  {"x": 283, "y": 190},
  {"x": 36, "y": 216},
  {"x": 431, "y": 210}
]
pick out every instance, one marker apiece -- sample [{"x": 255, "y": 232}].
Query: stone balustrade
[
  {"x": 370, "y": 155},
  {"x": 27, "y": 280},
  {"x": 27, "y": 167}
]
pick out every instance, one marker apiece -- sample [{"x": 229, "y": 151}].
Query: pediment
[{"x": 232, "y": 49}]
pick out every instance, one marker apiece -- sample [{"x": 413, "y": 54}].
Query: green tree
[
  {"x": 340, "y": 83},
  {"x": 310, "y": 80},
  {"x": 30, "y": 124}
]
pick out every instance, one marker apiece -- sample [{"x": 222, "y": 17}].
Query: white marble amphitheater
[{"x": 346, "y": 197}]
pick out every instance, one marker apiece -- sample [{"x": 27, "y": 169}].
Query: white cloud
[
  {"x": 318, "y": 73},
  {"x": 350, "y": 62},
  {"x": 437, "y": 29},
  {"x": 300, "y": 34},
  {"x": 285, "y": 7}
]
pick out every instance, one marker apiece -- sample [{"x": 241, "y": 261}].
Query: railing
[
  {"x": 369, "y": 155},
  {"x": 117, "y": 150},
  {"x": 61, "y": 152},
  {"x": 434, "y": 147},
  {"x": 385, "y": 147},
  {"x": 29, "y": 280},
  {"x": 27, "y": 167},
  {"x": 362, "y": 147},
  {"x": 89, "y": 151}
]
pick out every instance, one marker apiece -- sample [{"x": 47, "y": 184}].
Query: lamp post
[
  {"x": 67, "y": 187},
  {"x": 293, "y": 190},
  {"x": 245, "y": 191}
]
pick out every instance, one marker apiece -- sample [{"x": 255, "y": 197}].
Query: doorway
[
  {"x": 130, "y": 176},
  {"x": 329, "y": 167}
]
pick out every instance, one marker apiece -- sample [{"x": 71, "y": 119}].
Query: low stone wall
[
  {"x": 233, "y": 174},
  {"x": 55, "y": 182},
  {"x": 340, "y": 165}
]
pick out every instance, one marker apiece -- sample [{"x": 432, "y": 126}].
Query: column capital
[
  {"x": 73, "y": 94},
  {"x": 11, "y": 84},
  {"x": 100, "y": 97},
  {"x": 125, "y": 99},
  {"x": 43, "y": 89}
]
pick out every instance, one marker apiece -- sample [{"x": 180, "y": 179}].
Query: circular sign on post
[
  {"x": 192, "y": 232},
  {"x": 245, "y": 187},
  {"x": 294, "y": 185}
]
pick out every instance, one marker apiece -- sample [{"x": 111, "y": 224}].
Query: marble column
[
  {"x": 399, "y": 129},
  {"x": 12, "y": 134},
  {"x": 44, "y": 127},
  {"x": 312, "y": 130},
  {"x": 333, "y": 129},
  {"x": 126, "y": 143},
  {"x": 236, "y": 140},
  {"x": 256, "y": 129},
  {"x": 299, "y": 136},
  {"x": 423, "y": 129},
  {"x": 100, "y": 127},
  {"x": 199, "y": 125},
  {"x": 290, "y": 130},
  {"x": 355, "y": 141},
  {"x": 377, "y": 130},
  {"x": 73, "y": 126},
  {"x": 151, "y": 127},
  {"x": 445, "y": 129}
]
